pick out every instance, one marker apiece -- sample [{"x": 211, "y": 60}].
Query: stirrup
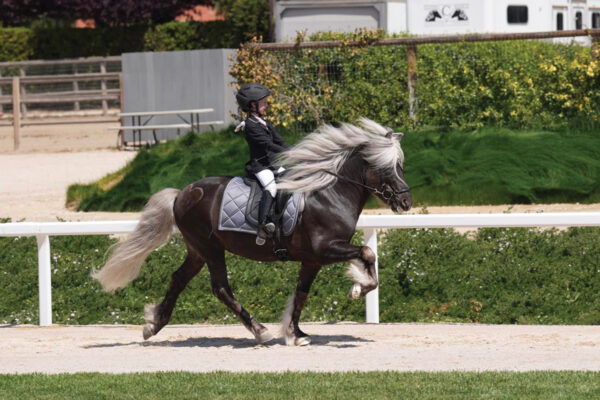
[
  {"x": 265, "y": 231},
  {"x": 269, "y": 228}
]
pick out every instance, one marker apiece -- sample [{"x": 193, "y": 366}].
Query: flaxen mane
[{"x": 329, "y": 147}]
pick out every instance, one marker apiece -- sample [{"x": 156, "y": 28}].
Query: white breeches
[{"x": 267, "y": 180}]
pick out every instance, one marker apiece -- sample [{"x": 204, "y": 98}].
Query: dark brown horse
[{"x": 336, "y": 168}]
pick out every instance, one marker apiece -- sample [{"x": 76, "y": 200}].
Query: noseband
[{"x": 386, "y": 192}]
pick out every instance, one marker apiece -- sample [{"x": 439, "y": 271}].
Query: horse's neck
[{"x": 350, "y": 197}]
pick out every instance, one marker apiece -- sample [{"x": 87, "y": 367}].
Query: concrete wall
[{"x": 178, "y": 80}]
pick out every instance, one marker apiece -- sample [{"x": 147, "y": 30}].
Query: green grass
[
  {"x": 489, "y": 166},
  {"x": 306, "y": 385},
  {"x": 498, "y": 276},
  {"x": 501, "y": 166}
]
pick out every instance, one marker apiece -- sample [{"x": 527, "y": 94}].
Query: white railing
[{"x": 367, "y": 223}]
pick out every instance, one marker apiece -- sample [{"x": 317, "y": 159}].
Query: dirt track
[
  {"x": 336, "y": 347},
  {"x": 33, "y": 182}
]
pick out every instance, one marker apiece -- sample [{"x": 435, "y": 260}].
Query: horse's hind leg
[
  {"x": 289, "y": 325},
  {"x": 158, "y": 315},
  {"x": 222, "y": 291}
]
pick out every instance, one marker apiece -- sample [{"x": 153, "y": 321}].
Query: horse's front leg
[
  {"x": 289, "y": 324},
  {"x": 361, "y": 269}
]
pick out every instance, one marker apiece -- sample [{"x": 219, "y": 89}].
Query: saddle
[{"x": 239, "y": 210}]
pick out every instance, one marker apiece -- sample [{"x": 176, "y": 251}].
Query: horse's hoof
[
  {"x": 264, "y": 336},
  {"x": 355, "y": 292},
  {"x": 148, "y": 331},
  {"x": 302, "y": 341},
  {"x": 297, "y": 341}
]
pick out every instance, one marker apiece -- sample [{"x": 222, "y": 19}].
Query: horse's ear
[{"x": 391, "y": 134}]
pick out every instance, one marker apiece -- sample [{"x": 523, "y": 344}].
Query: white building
[{"x": 434, "y": 17}]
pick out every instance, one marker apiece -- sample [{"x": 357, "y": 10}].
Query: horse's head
[
  {"x": 388, "y": 182},
  {"x": 317, "y": 161}
]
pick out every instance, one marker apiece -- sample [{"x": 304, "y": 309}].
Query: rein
[{"x": 386, "y": 194}]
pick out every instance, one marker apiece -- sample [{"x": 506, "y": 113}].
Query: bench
[{"x": 139, "y": 124}]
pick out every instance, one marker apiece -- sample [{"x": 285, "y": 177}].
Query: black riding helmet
[{"x": 251, "y": 92}]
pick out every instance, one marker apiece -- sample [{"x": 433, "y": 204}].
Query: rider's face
[{"x": 262, "y": 105}]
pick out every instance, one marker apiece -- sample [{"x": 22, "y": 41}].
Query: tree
[
  {"x": 248, "y": 17},
  {"x": 132, "y": 12},
  {"x": 104, "y": 12}
]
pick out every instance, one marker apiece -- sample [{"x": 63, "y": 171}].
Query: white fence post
[
  {"x": 373, "y": 296},
  {"x": 45, "y": 279}
]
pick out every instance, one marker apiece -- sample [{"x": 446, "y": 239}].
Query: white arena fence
[{"x": 367, "y": 223}]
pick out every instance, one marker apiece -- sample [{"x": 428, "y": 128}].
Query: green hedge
[
  {"x": 57, "y": 43},
  {"x": 191, "y": 35},
  {"x": 18, "y": 44},
  {"x": 517, "y": 84},
  {"x": 500, "y": 276}
]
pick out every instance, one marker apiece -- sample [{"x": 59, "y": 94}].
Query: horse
[{"x": 335, "y": 168}]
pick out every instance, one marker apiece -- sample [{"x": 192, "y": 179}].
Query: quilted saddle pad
[{"x": 235, "y": 213}]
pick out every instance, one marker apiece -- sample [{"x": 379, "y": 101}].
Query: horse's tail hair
[{"x": 153, "y": 229}]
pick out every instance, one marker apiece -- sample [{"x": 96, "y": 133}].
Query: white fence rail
[{"x": 367, "y": 223}]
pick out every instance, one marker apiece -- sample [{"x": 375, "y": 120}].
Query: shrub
[
  {"x": 190, "y": 35},
  {"x": 524, "y": 276},
  {"x": 504, "y": 276},
  {"x": 16, "y": 44},
  {"x": 524, "y": 84}
]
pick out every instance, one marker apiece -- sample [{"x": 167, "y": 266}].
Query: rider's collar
[{"x": 259, "y": 119}]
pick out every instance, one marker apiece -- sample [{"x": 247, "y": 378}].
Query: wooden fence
[{"x": 21, "y": 84}]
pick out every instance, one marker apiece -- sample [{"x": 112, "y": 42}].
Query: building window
[
  {"x": 560, "y": 25},
  {"x": 578, "y": 20},
  {"x": 595, "y": 20},
  {"x": 517, "y": 14}
]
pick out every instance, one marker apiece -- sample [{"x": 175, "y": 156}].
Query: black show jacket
[{"x": 264, "y": 144}]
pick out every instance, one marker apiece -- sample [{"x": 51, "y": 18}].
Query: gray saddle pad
[{"x": 234, "y": 215}]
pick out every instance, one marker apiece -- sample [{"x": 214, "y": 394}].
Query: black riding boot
[{"x": 265, "y": 230}]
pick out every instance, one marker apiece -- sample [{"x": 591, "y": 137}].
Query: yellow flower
[
  {"x": 530, "y": 82},
  {"x": 551, "y": 68},
  {"x": 591, "y": 69}
]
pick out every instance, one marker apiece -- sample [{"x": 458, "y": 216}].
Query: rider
[{"x": 264, "y": 143}]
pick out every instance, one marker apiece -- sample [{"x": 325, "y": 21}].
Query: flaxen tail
[{"x": 154, "y": 228}]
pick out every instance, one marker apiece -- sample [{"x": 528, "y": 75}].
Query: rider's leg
[{"x": 265, "y": 229}]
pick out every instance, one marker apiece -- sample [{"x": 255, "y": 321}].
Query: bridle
[{"x": 386, "y": 192}]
